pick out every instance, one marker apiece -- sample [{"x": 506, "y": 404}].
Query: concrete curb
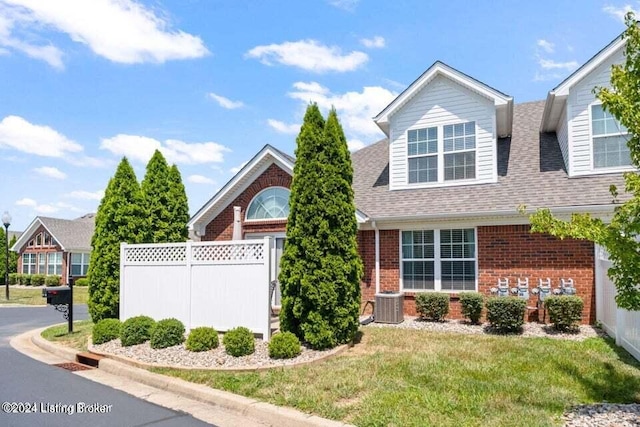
[{"x": 266, "y": 412}]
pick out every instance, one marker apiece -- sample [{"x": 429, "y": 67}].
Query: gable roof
[
  {"x": 241, "y": 180},
  {"x": 557, "y": 97},
  {"x": 72, "y": 235},
  {"x": 530, "y": 172},
  {"x": 503, "y": 102}
]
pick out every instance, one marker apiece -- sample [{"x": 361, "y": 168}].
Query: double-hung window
[
  {"x": 79, "y": 264},
  {"x": 442, "y": 153},
  {"x": 54, "y": 263},
  {"x": 42, "y": 263},
  {"x": 423, "y": 155},
  {"x": 610, "y": 148},
  {"x": 439, "y": 260},
  {"x": 28, "y": 263}
]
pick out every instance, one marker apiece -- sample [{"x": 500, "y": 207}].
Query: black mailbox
[{"x": 57, "y": 295}]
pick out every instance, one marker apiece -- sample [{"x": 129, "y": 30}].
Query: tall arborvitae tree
[
  {"x": 157, "y": 200},
  {"x": 119, "y": 219},
  {"x": 320, "y": 269},
  {"x": 178, "y": 207}
]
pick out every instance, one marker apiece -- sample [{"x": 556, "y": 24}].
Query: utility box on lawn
[
  {"x": 57, "y": 295},
  {"x": 389, "y": 308}
]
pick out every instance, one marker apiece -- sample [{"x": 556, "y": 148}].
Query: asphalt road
[{"x": 55, "y": 396}]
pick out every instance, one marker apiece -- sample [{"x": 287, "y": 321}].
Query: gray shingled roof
[
  {"x": 71, "y": 234},
  {"x": 530, "y": 171}
]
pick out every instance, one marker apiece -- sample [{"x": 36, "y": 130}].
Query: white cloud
[
  {"x": 236, "y": 169},
  {"x": 288, "y": 129},
  {"x": 620, "y": 12},
  {"x": 67, "y": 206},
  {"x": 200, "y": 179},
  {"x": 51, "y": 172},
  {"x": 26, "y": 202},
  {"x": 309, "y": 55},
  {"x": 86, "y": 195},
  {"x": 123, "y": 31},
  {"x": 376, "y": 42},
  {"x": 355, "y": 109},
  {"x": 226, "y": 102},
  {"x": 545, "y": 77},
  {"x": 348, "y": 5},
  {"x": 19, "y": 134},
  {"x": 550, "y": 64},
  {"x": 141, "y": 148},
  {"x": 355, "y": 144},
  {"x": 546, "y": 45}
]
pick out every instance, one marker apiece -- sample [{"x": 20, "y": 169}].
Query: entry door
[{"x": 278, "y": 251}]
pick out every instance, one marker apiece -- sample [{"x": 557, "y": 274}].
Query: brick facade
[
  {"x": 221, "y": 228},
  {"x": 44, "y": 250},
  {"x": 503, "y": 251}
]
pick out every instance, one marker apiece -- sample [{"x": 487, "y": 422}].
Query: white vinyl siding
[
  {"x": 443, "y": 102},
  {"x": 563, "y": 138},
  {"x": 579, "y": 103}
]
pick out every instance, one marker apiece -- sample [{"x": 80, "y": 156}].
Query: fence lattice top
[{"x": 200, "y": 253}]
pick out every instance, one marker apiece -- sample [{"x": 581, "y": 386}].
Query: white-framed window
[
  {"x": 42, "y": 263},
  {"x": 439, "y": 260},
  {"x": 28, "y": 263},
  {"x": 610, "y": 138},
  {"x": 79, "y": 264},
  {"x": 270, "y": 203},
  {"x": 54, "y": 263},
  {"x": 442, "y": 153}
]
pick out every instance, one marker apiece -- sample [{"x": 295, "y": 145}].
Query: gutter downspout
[{"x": 377, "y": 256}]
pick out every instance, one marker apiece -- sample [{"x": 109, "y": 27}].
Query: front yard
[
  {"x": 34, "y": 296},
  {"x": 416, "y": 378}
]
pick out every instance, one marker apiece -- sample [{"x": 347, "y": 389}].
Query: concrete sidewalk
[{"x": 209, "y": 405}]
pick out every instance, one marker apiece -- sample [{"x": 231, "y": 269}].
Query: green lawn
[
  {"x": 416, "y": 378},
  {"x": 77, "y": 340},
  {"x": 34, "y": 296}
]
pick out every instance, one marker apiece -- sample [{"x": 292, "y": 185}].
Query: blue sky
[{"x": 209, "y": 82}]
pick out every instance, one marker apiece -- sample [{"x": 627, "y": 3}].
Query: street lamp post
[{"x": 6, "y": 220}]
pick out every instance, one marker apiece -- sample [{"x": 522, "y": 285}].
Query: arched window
[{"x": 271, "y": 203}]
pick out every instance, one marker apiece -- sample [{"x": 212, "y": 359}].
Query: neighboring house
[
  {"x": 438, "y": 198},
  {"x": 53, "y": 246}
]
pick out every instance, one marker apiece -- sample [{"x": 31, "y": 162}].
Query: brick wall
[
  {"x": 221, "y": 228},
  {"x": 45, "y": 250},
  {"x": 503, "y": 251}
]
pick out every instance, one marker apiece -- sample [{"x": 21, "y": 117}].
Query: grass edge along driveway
[
  {"x": 396, "y": 377},
  {"x": 34, "y": 296}
]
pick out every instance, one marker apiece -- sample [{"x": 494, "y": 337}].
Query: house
[
  {"x": 53, "y": 246},
  {"x": 438, "y": 198}
]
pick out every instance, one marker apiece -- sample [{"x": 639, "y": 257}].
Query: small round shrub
[
  {"x": 432, "y": 305},
  {"x": 284, "y": 346},
  {"x": 136, "y": 330},
  {"x": 82, "y": 282},
  {"x": 37, "y": 279},
  {"x": 505, "y": 313},
  {"x": 565, "y": 311},
  {"x": 239, "y": 342},
  {"x": 167, "y": 333},
  {"x": 52, "y": 280},
  {"x": 13, "y": 278},
  {"x": 471, "y": 306},
  {"x": 202, "y": 339},
  {"x": 27, "y": 280},
  {"x": 106, "y": 330}
]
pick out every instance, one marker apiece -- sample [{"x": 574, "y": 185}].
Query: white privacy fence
[
  {"x": 217, "y": 284},
  {"x": 620, "y": 324}
]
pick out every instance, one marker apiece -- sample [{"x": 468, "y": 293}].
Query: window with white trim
[
  {"x": 54, "y": 263},
  {"x": 442, "y": 153},
  {"x": 610, "y": 138},
  {"x": 79, "y": 264},
  {"x": 271, "y": 203},
  {"x": 448, "y": 265},
  {"x": 28, "y": 263},
  {"x": 42, "y": 263}
]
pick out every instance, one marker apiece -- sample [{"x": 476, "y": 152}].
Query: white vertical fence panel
[
  {"x": 620, "y": 324},
  {"x": 217, "y": 284}
]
